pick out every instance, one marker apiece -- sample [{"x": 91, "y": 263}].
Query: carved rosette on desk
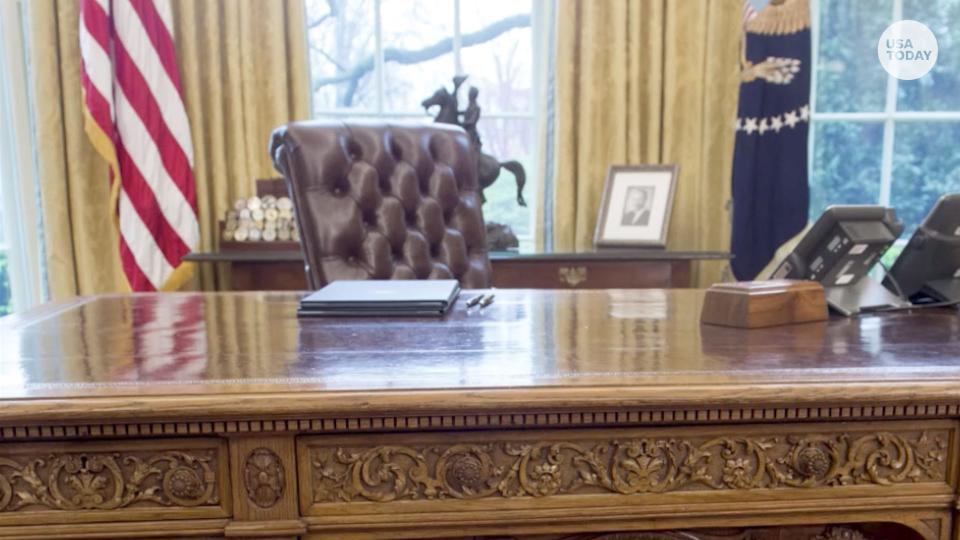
[
  {"x": 263, "y": 475},
  {"x": 510, "y": 469}
]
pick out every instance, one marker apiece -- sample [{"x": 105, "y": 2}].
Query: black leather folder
[{"x": 381, "y": 298}]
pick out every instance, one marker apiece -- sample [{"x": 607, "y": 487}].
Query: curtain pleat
[
  {"x": 647, "y": 82},
  {"x": 245, "y": 72},
  {"x": 79, "y": 237}
]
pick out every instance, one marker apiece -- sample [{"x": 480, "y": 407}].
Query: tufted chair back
[{"x": 378, "y": 201}]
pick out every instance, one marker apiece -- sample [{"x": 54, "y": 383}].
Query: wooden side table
[
  {"x": 281, "y": 270},
  {"x": 633, "y": 269}
]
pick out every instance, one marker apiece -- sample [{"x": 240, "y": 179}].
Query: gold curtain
[
  {"x": 645, "y": 82},
  {"x": 244, "y": 72}
]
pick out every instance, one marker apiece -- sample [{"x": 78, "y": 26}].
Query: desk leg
[{"x": 263, "y": 471}]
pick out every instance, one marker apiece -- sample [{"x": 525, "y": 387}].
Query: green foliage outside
[
  {"x": 847, "y": 154},
  {"x": 6, "y": 306},
  {"x": 926, "y": 165},
  {"x": 891, "y": 255},
  {"x": 501, "y": 205},
  {"x": 506, "y": 140}
]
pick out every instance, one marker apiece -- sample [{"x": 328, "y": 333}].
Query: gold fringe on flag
[{"x": 103, "y": 145}]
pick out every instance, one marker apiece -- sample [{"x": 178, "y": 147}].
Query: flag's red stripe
[
  {"x": 97, "y": 22},
  {"x": 137, "y": 279},
  {"x": 97, "y": 105},
  {"x": 134, "y": 87},
  {"x": 189, "y": 313},
  {"x": 160, "y": 37},
  {"x": 141, "y": 196},
  {"x": 143, "y": 316}
]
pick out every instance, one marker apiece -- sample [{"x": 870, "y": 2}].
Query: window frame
[
  {"x": 889, "y": 116},
  {"x": 18, "y": 177},
  {"x": 537, "y": 15}
]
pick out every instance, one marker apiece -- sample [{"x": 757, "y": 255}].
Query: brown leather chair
[{"x": 380, "y": 201}]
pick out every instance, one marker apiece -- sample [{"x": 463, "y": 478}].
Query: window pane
[
  {"x": 6, "y": 299},
  {"x": 417, "y": 39},
  {"x": 418, "y": 51},
  {"x": 477, "y": 15},
  {"x": 510, "y": 139},
  {"x": 3, "y": 205},
  {"x": 342, "y": 43},
  {"x": 849, "y": 77},
  {"x": 497, "y": 53},
  {"x": 846, "y": 164},
  {"x": 938, "y": 90},
  {"x": 925, "y": 166},
  {"x": 6, "y": 303}
]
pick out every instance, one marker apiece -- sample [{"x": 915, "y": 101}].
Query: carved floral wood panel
[
  {"x": 766, "y": 533},
  {"x": 510, "y": 468},
  {"x": 108, "y": 479}
]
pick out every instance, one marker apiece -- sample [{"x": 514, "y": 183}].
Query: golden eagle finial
[{"x": 781, "y": 17}]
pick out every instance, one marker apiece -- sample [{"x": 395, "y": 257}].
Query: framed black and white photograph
[{"x": 636, "y": 205}]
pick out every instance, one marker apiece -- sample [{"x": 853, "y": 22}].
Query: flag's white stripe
[
  {"x": 151, "y": 339},
  {"x": 146, "y": 157},
  {"x": 146, "y": 252},
  {"x": 105, "y": 4},
  {"x": 166, "y": 14},
  {"x": 158, "y": 344},
  {"x": 131, "y": 32},
  {"x": 96, "y": 64}
]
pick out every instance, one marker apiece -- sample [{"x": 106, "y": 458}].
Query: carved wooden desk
[{"x": 550, "y": 414}]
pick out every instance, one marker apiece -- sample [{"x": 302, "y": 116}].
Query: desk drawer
[
  {"x": 87, "y": 481},
  {"x": 590, "y": 274},
  {"x": 509, "y": 479}
]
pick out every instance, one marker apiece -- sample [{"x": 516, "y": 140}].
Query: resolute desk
[{"x": 549, "y": 414}]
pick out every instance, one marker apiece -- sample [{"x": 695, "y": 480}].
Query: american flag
[{"x": 136, "y": 119}]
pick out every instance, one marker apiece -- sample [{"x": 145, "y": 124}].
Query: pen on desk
[
  {"x": 487, "y": 300},
  {"x": 474, "y": 301}
]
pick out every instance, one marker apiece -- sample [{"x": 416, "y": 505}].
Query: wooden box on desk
[{"x": 757, "y": 304}]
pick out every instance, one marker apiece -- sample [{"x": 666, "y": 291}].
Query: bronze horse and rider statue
[{"x": 488, "y": 167}]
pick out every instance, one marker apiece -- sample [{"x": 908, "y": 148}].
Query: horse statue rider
[{"x": 488, "y": 167}]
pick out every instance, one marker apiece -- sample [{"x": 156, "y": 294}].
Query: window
[
  {"x": 876, "y": 139},
  {"x": 6, "y": 301},
  {"x": 381, "y": 58},
  {"x": 20, "y": 275}
]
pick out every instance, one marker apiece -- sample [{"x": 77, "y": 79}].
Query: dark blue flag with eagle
[{"x": 770, "y": 189}]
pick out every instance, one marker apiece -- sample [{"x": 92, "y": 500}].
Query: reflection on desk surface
[{"x": 249, "y": 342}]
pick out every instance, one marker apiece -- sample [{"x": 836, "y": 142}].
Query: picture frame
[{"x": 636, "y": 206}]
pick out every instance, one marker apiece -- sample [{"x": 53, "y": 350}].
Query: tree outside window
[
  {"x": 876, "y": 139},
  {"x": 382, "y": 58}
]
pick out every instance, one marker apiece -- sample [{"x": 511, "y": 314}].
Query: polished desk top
[{"x": 161, "y": 355}]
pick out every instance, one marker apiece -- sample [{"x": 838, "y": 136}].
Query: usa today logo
[{"x": 907, "y": 50}]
